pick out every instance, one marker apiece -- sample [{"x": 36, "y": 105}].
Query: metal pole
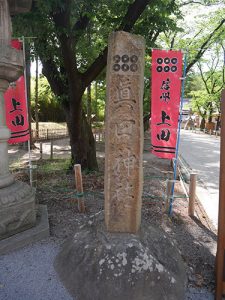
[
  {"x": 178, "y": 133},
  {"x": 25, "y": 80}
]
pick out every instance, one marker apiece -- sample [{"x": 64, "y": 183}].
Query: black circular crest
[
  {"x": 125, "y": 58},
  {"x": 125, "y": 67},
  {"x": 116, "y": 67}
]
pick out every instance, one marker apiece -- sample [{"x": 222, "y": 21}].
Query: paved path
[
  {"x": 28, "y": 274},
  {"x": 61, "y": 149},
  {"x": 202, "y": 153}
]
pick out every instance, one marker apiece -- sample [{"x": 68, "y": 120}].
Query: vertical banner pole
[
  {"x": 25, "y": 80},
  {"x": 178, "y": 134}
]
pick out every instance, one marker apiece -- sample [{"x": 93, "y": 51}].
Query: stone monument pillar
[
  {"x": 124, "y": 132},
  {"x": 122, "y": 265},
  {"x": 17, "y": 199}
]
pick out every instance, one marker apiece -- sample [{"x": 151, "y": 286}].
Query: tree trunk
[
  {"x": 218, "y": 123},
  {"x": 202, "y": 124},
  {"x": 96, "y": 99},
  {"x": 82, "y": 141},
  {"x": 210, "y": 112},
  {"x": 89, "y": 104}
]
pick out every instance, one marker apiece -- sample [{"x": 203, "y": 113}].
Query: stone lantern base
[
  {"x": 17, "y": 209},
  {"x": 17, "y": 199}
]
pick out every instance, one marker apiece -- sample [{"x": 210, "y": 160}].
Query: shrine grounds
[{"x": 28, "y": 273}]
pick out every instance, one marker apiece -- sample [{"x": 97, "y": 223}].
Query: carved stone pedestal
[
  {"x": 17, "y": 199},
  {"x": 17, "y": 209}
]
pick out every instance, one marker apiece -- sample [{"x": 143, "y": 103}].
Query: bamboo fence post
[
  {"x": 79, "y": 188},
  {"x": 192, "y": 194},
  {"x": 169, "y": 186},
  {"x": 220, "y": 259}
]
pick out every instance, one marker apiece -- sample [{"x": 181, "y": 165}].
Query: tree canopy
[{"x": 71, "y": 42}]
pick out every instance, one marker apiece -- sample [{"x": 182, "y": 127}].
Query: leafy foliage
[
  {"x": 71, "y": 41},
  {"x": 49, "y": 108}
]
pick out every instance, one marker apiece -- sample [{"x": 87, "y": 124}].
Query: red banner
[
  {"x": 16, "y": 108},
  {"x": 165, "y": 101},
  {"x": 16, "y": 44}
]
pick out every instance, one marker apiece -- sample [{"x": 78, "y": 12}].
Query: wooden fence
[
  {"x": 99, "y": 134},
  {"x": 48, "y": 134},
  {"x": 51, "y": 134}
]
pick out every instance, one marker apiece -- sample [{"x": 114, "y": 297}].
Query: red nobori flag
[
  {"x": 16, "y": 44},
  {"x": 165, "y": 101},
  {"x": 16, "y": 108}
]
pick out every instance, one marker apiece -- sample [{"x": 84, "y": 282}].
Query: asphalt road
[{"x": 202, "y": 153}]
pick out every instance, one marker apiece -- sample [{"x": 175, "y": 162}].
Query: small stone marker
[{"x": 124, "y": 132}]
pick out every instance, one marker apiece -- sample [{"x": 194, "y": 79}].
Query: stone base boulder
[{"x": 97, "y": 265}]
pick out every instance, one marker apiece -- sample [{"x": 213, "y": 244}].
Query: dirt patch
[{"x": 192, "y": 236}]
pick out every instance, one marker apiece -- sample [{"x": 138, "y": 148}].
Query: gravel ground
[{"x": 29, "y": 273}]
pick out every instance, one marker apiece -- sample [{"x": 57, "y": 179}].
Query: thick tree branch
[
  {"x": 173, "y": 41},
  {"x": 203, "y": 78},
  {"x": 78, "y": 28},
  {"x": 203, "y": 48},
  {"x": 81, "y": 24},
  {"x": 154, "y": 36},
  {"x": 60, "y": 20},
  {"x": 50, "y": 71},
  {"x": 214, "y": 82},
  {"x": 63, "y": 15},
  {"x": 194, "y": 37},
  {"x": 133, "y": 13},
  {"x": 96, "y": 68},
  {"x": 192, "y": 2}
]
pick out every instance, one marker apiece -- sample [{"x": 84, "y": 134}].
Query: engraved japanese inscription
[{"x": 123, "y": 162}]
